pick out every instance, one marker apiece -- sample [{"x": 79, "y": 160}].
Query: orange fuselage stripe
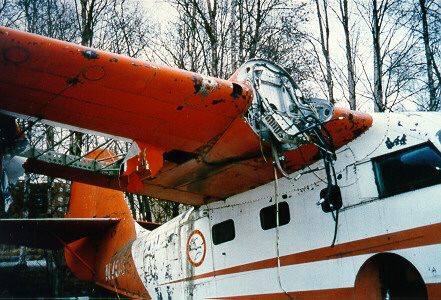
[
  {"x": 340, "y": 293},
  {"x": 415, "y": 237},
  {"x": 433, "y": 292}
]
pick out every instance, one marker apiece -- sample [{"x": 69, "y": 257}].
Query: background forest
[{"x": 370, "y": 55}]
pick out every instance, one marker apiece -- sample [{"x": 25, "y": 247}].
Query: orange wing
[
  {"x": 113, "y": 94},
  {"x": 190, "y": 128}
]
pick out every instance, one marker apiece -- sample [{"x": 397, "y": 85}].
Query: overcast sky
[{"x": 159, "y": 10}]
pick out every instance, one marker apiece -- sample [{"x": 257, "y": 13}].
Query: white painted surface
[{"x": 161, "y": 260}]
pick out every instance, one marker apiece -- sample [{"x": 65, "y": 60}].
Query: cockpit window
[{"x": 407, "y": 170}]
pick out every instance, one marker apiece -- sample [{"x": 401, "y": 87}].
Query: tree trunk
[
  {"x": 349, "y": 58},
  {"x": 233, "y": 37},
  {"x": 147, "y": 210},
  {"x": 131, "y": 200},
  {"x": 214, "y": 39},
  {"x": 49, "y": 144},
  {"x": 379, "y": 105},
  {"x": 433, "y": 103},
  {"x": 324, "y": 42},
  {"x": 25, "y": 214},
  {"x": 175, "y": 211},
  {"x": 86, "y": 16}
]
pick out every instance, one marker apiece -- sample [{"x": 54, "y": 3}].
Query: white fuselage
[{"x": 297, "y": 257}]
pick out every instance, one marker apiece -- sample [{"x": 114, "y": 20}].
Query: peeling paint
[
  {"x": 396, "y": 142},
  {"x": 90, "y": 54},
  {"x": 359, "y": 131},
  {"x": 158, "y": 293},
  {"x": 72, "y": 81},
  {"x": 197, "y": 80},
  {"x": 237, "y": 90},
  {"x": 351, "y": 118},
  {"x": 151, "y": 66},
  {"x": 169, "y": 293},
  {"x": 204, "y": 85},
  {"x": 214, "y": 102}
]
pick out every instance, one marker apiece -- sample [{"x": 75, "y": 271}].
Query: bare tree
[
  {"x": 323, "y": 22},
  {"x": 53, "y": 18},
  {"x": 183, "y": 46},
  {"x": 9, "y": 14},
  {"x": 125, "y": 29},
  {"x": 378, "y": 13},
  {"x": 216, "y": 37},
  {"x": 207, "y": 25},
  {"x": 88, "y": 14},
  {"x": 424, "y": 19},
  {"x": 343, "y": 16},
  {"x": 2, "y": 6},
  {"x": 393, "y": 46},
  {"x": 428, "y": 54}
]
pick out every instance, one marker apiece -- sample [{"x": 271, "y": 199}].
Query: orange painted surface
[
  {"x": 415, "y": 237},
  {"x": 71, "y": 84},
  {"x": 84, "y": 268},
  {"x": 434, "y": 291},
  {"x": 100, "y": 250},
  {"x": 232, "y": 163},
  {"x": 328, "y": 294},
  {"x": 163, "y": 108},
  {"x": 367, "y": 284}
]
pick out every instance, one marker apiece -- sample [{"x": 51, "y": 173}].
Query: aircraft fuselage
[{"x": 237, "y": 247}]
